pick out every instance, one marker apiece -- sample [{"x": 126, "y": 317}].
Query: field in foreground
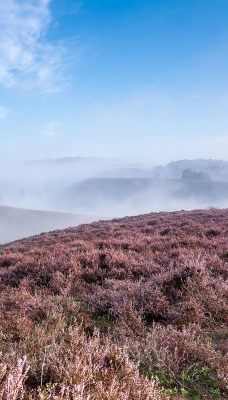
[{"x": 133, "y": 308}]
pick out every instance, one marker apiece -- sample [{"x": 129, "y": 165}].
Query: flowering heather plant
[{"x": 12, "y": 380}]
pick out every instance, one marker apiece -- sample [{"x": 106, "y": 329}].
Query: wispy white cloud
[
  {"x": 3, "y": 112},
  {"x": 52, "y": 130},
  {"x": 196, "y": 95},
  {"x": 28, "y": 59}
]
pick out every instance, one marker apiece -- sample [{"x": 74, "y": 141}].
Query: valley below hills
[{"x": 113, "y": 188}]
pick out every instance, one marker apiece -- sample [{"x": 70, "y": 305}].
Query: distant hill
[
  {"x": 129, "y": 172},
  {"x": 17, "y": 223},
  {"x": 129, "y": 196},
  {"x": 64, "y": 160},
  {"x": 217, "y": 169}
]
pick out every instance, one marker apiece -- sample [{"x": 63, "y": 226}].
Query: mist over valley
[{"x": 95, "y": 188}]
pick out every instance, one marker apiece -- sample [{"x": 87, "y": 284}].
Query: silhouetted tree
[{"x": 197, "y": 176}]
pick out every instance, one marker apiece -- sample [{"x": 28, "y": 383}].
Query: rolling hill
[
  {"x": 130, "y": 196},
  {"x": 16, "y": 223}
]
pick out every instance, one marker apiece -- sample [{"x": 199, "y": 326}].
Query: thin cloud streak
[
  {"x": 3, "y": 113},
  {"x": 28, "y": 60},
  {"x": 51, "y": 130}
]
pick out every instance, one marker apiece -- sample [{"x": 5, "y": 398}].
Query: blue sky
[{"x": 143, "y": 80}]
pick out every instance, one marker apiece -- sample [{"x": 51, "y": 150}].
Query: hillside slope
[
  {"x": 99, "y": 310},
  {"x": 131, "y": 196},
  {"x": 16, "y": 223}
]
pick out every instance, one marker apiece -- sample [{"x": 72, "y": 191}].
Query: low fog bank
[
  {"x": 113, "y": 188},
  {"x": 216, "y": 170},
  {"x": 116, "y": 197},
  {"x": 34, "y": 184},
  {"x": 18, "y": 223}
]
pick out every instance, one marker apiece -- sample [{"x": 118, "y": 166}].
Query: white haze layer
[{"x": 52, "y": 185}]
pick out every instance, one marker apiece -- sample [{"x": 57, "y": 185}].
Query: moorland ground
[{"x": 133, "y": 308}]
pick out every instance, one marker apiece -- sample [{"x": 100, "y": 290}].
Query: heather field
[{"x": 134, "y": 308}]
